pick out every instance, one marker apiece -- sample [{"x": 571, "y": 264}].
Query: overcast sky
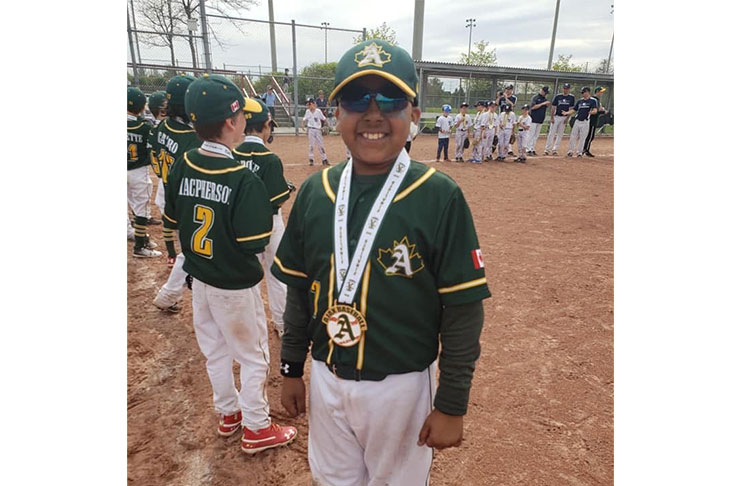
[{"x": 520, "y": 31}]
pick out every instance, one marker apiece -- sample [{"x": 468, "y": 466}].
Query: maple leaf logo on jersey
[
  {"x": 401, "y": 260},
  {"x": 372, "y": 55}
]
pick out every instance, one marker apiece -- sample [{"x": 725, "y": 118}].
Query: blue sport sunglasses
[{"x": 359, "y": 103}]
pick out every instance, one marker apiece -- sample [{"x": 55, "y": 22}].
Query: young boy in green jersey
[
  {"x": 384, "y": 270},
  {"x": 137, "y": 171},
  {"x": 168, "y": 142},
  {"x": 267, "y": 166},
  {"x": 224, "y": 219}
]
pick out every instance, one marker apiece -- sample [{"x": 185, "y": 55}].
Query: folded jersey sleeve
[
  {"x": 252, "y": 216},
  {"x": 458, "y": 262},
  {"x": 289, "y": 266}
]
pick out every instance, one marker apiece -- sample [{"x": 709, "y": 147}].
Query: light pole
[
  {"x": 553, "y": 36},
  {"x": 470, "y": 24},
  {"x": 325, "y": 25},
  {"x": 609, "y": 57}
]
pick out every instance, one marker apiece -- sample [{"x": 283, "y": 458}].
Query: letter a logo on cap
[
  {"x": 235, "y": 106},
  {"x": 372, "y": 55}
]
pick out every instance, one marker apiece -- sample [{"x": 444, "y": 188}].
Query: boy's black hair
[{"x": 255, "y": 127}]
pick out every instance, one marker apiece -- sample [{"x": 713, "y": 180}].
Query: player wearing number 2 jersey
[{"x": 224, "y": 218}]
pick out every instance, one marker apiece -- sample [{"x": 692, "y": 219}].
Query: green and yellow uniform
[
  {"x": 224, "y": 218},
  {"x": 425, "y": 256},
  {"x": 168, "y": 141},
  {"x": 137, "y": 131},
  {"x": 265, "y": 165}
]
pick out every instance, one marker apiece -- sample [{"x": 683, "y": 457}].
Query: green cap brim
[{"x": 394, "y": 79}]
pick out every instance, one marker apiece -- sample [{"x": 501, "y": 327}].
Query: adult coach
[
  {"x": 561, "y": 104},
  {"x": 537, "y": 112},
  {"x": 593, "y": 120},
  {"x": 383, "y": 267},
  {"x": 585, "y": 108}
]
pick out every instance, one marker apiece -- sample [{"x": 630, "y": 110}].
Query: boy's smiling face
[{"x": 373, "y": 137}]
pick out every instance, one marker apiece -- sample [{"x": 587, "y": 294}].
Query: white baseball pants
[
  {"x": 555, "y": 133},
  {"x": 364, "y": 433},
  {"x": 488, "y": 141},
  {"x": 478, "y": 144},
  {"x": 503, "y": 146},
  {"x": 149, "y": 193},
  {"x": 175, "y": 284},
  {"x": 316, "y": 140},
  {"x": 533, "y": 134},
  {"x": 460, "y": 137},
  {"x": 137, "y": 190},
  {"x": 159, "y": 198},
  {"x": 276, "y": 288},
  {"x": 523, "y": 136},
  {"x": 578, "y": 135},
  {"x": 227, "y": 330}
]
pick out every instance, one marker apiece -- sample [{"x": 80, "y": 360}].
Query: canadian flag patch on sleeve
[{"x": 478, "y": 260}]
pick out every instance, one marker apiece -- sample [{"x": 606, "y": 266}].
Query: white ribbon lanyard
[
  {"x": 348, "y": 272},
  {"x": 217, "y": 148}
]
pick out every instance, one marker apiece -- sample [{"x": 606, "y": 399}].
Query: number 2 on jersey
[{"x": 199, "y": 243}]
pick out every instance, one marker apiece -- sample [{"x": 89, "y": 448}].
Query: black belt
[
  {"x": 350, "y": 373},
  {"x": 520, "y": 130}
]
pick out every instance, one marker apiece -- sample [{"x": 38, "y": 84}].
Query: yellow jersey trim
[
  {"x": 252, "y": 153},
  {"x": 210, "y": 171},
  {"x": 415, "y": 184},
  {"x": 177, "y": 131},
  {"x": 242, "y": 239},
  {"x": 280, "y": 195},
  {"x": 327, "y": 187},
  {"x": 134, "y": 128},
  {"x": 463, "y": 286},
  {"x": 365, "y": 72},
  {"x": 170, "y": 220},
  {"x": 288, "y": 271}
]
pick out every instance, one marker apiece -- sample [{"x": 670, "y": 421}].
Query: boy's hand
[
  {"x": 293, "y": 396},
  {"x": 441, "y": 430}
]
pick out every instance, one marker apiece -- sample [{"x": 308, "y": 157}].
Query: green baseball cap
[
  {"x": 256, "y": 114},
  {"x": 213, "y": 98},
  {"x": 135, "y": 99},
  {"x": 176, "y": 87},
  {"x": 157, "y": 99},
  {"x": 380, "y": 58}
]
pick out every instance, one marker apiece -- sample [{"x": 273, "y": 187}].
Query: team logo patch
[
  {"x": 401, "y": 260},
  {"x": 345, "y": 324},
  {"x": 235, "y": 106},
  {"x": 372, "y": 55},
  {"x": 478, "y": 259}
]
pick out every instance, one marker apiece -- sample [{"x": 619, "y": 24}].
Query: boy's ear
[{"x": 416, "y": 114}]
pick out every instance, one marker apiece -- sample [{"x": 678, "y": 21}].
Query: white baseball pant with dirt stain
[
  {"x": 316, "y": 141},
  {"x": 555, "y": 133},
  {"x": 227, "y": 329},
  {"x": 578, "y": 135},
  {"x": 276, "y": 289},
  {"x": 532, "y": 136},
  {"x": 460, "y": 138},
  {"x": 365, "y": 432}
]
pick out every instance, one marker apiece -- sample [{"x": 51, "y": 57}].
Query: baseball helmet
[
  {"x": 447, "y": 108},
  {"x": 176, "y": 88}
]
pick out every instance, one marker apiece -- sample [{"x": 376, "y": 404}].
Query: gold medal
[{"x": 345, "y": 324}]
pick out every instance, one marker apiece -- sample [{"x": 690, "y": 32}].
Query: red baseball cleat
[
  {"x": 228, "y": 424},
  {"x": 267, "y": 438}
]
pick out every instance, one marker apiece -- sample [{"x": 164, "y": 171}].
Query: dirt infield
[{"x": 541, "y": 407}]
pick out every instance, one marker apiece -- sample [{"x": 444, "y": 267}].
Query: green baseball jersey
[
  {"x": 426, "y": 255},
  {"x": 223, "y": 216},
  {"x": 265, "y": 165},
  {"x": 137, "y": 131},
  {"x": 168, "y": 141}
]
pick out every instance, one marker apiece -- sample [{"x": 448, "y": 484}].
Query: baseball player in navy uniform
[
  {"x": 585, "y": 108},
  {"x": 593, "y": 120},
  {"x": 507, "y": 98},
  {"x": 560, "y": 105},
  {"x": 538, "y": 106},
  {"x": 383, "y": 269}
]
